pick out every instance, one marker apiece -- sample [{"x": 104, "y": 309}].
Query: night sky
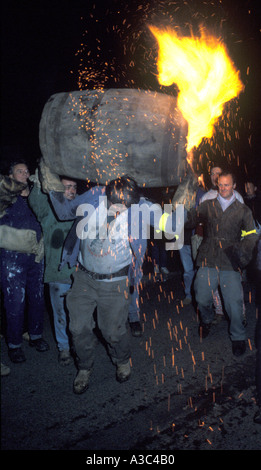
[{"x": 50, "y": 47}]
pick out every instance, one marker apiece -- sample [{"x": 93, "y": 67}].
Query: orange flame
[{"x": 204, "y": 74}]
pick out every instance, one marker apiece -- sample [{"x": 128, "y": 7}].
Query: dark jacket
[
  {"x": 223, "y": 245},
  {"x": 254, "y": 204}
]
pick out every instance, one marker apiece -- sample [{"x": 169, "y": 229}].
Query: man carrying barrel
[{"x": 107, "y": 243}]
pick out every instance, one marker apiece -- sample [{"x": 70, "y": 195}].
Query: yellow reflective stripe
[
  {"x": 162, "y": 222},
  {"x": 244, "y": 233}
]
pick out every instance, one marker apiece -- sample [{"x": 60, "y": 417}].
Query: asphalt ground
[{"x": 184, "y": 393}]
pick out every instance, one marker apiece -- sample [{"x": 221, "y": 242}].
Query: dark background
[{"x": 49, "y": 47}]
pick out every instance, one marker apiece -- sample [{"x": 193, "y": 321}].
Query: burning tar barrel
[{"x": 98, "y": 135}]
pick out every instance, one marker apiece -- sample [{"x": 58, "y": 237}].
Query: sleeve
[
  {"x": 249, "y": 238},
  {"x": 39, "y": 203},
  {"x": 240, "y": 254},
  {"x": 147, "y": 214},
  {"x": 68, "y": 210}
]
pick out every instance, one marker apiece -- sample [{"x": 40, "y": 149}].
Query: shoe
[
  {"x": 164, "y": 270},
  {"x": 217, "y": 319},
  {"x": 5, "y": 370},
  {"x": 39, "y": 344},
  {"x": 26, "y": 336},
  {"x": 238, "y": 348},
  {"x": 16, "y": 355},
  {"x": 257, "y": 417},
  {"x": 187, "y": 300},
  {"x": 204, "y": 329},
  {"x": 81, "y": 381},
  {"x": 64, "y": 358},
  {"x": 136, "y": 329},
  {"x": 123, "y": 372}
]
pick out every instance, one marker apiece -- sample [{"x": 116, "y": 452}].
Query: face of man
[
  {"x": 250, "y": 189},
  {"x": 214, "y": 175},
  {"x": 226, "y": 186},
  {"x": 70, "y": 189},
  {"x": 20, "y": 173}
]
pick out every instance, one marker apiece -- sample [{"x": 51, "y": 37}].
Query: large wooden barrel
[{"x": 98, "y": 135}]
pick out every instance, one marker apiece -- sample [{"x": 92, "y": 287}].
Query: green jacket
[
  {"x": 223, "y": 245},
  {"x": 54, "y": 232}
]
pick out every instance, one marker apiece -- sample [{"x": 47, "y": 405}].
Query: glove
[
  {"x": 35, "y": 179},
  {"x": 39, "y": 250},
  {"x": 186, "y": 193},
  {"x": 50, "y": 181},
  {"x": 21, "y": 240}
]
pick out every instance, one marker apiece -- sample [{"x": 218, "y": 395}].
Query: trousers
[
  {"x": 188, "y": 266},
  {"x": 112, "y": 302},
  {"x": 57, "y": 291},
  {"x": 205, "y": 285},
  {"x": 22, "y": 285}
]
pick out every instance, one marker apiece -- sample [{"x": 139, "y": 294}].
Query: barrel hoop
[{"x": 165, "y": 147}]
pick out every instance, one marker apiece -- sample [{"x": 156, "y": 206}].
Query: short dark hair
[
  {"x": 227, "y": 173},
  {"x": 14, "y": 163},
  {"x": 123, "y": 190}
]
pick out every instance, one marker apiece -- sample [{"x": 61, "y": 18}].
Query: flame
[{"x": 204, "y": 74}]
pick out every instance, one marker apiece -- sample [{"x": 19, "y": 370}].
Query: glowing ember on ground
[{"x": 204, "y": 74}]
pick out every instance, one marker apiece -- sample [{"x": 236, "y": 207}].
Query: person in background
[
  {"x": 252, "y": 199},
  {"x": 22, "y": 263},
  {"x": 257, "y": 418},
  {"x": 58, "y": 280},
  {"x": 5, "y": 370}
]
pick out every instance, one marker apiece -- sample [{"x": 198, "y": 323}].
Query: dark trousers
[
  {"x": 206, "y": 283},
  {"x": 21, "y": 281},
  {"x": 112, "y": 302}
]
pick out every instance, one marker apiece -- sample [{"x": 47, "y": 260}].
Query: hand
[
  {"x": 50, "y": 181},
  {"x": 186, "y": 193},
  {"x": 35, "y": 179}
]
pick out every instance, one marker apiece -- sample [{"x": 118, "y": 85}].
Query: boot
[
  {"x": 16, "y": 355},
  {"x": 64, "y": 358},
  {"x": 238, "y": 348},
  {"x": 81, "y": 381},
  {"x": 123, "y": 372},
  {"x": 204, "y": 329},
  {"x": 136, "y": 328},
  {"x": 5, "y": 370},
  {"x": 39, "y": 344}
]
